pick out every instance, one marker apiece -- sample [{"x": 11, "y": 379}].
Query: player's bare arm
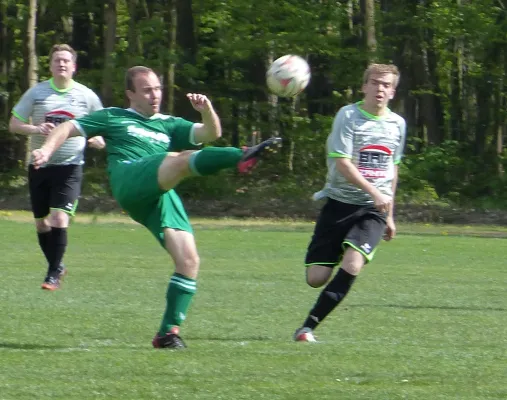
[
  {"x": 390, "y": 225},
  {"x": 54, "y": 140},
  {"x": 97, "y": 142},
  {"x": 210, "y": 129},
  {"x": 24, "y": 128},
  {"x": 351, "y": 173}
]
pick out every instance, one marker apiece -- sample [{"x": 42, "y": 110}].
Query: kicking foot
[{"x": 252, "y": 155}]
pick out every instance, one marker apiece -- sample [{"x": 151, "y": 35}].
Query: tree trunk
[
  {"x": 171, "y": 67},
  {"x": 369, "y": 28},
  {"x": 135, "y": 47},
  {"x": 82, "y": 35},
  {"x": 30, "y": 44},
  {"x": 109, "y": 49},
  {"x": 32, "y": 65},
  {"x": 4, "y": 61},
  {"x": 187, "y": 45},
  {"x": 457, "y": 93}
]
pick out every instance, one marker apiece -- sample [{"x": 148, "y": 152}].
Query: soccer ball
[{"x": 288, "y": 76}]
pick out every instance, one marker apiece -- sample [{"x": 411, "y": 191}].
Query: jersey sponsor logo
[
  {"x": 374, "y": 161},
  {"x": 58, "y": 116},
  {"x": 153, "y": 136}
]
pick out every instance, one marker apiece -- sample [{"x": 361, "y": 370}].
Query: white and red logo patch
[
  {"x": 58, "y": 116},
  {"x": 374, "y": 161}
]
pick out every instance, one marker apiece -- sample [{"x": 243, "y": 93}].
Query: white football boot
[{"x": 304, "y": 335}]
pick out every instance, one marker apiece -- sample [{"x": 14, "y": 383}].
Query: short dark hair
[
  {"x": 132, "y": 73},
  {"x": 62, "y": 47},
  {"x": 382, "y": 69}
]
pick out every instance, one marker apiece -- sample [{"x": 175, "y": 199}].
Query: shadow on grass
[
  {"x": 453, "y": 234},
  {"x": 228, "y": 339},
  {"x": 426, "y": 307},
  {"x": 31, "y": 346}
]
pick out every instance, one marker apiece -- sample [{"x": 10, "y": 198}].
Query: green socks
[
  {"x": 212, "y": 159},
  {"x": 179, "y": 295}
]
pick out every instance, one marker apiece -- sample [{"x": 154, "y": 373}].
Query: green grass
[{"x": 426, "y": 320}]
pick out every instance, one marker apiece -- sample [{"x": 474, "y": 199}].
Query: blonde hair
[
  {"x": 382, "y": 69},
  {"x": 63, "y": 47}
]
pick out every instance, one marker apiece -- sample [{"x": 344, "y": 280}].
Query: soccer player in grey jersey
[
  {"x": 363, "y": 151},
  {"x": 55, "y": 188}
]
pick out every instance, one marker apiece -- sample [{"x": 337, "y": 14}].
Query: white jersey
[
  {"x": 373, "y": 143},
  {"x": 44, "y": 102}
]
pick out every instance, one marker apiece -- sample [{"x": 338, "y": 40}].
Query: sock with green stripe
[
  {"x": 178, "y": 298},
  {"x": 210, "y": 160}
]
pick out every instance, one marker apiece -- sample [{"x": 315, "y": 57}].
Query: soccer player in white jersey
[
  {"x": 364, "y": 149},
  {"x": 55, "y": 188}
]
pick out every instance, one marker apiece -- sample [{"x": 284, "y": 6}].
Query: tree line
[{"x": 451, "y": 53}]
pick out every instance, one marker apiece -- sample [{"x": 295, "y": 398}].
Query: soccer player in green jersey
[{"x": 148, "y": 155}]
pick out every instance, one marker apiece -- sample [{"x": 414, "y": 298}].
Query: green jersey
[{"x": 130, "y": 136}]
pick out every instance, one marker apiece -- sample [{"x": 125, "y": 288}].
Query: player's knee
[
  {"x": 59, "y": 219},
  {"x": 317, "y": 275},
  {"x": 189, "y": 265},
  {"x": 353, "y": 261},
  {"x": 42, "y": 225}
]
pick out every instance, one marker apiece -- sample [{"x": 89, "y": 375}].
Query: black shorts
[
  {"x": 54, "y": 187},
  {"x": 340, "y": 225}
]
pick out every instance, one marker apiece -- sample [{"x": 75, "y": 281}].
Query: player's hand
[
  {"x": 97, "y": 142},
  {"x": 40, "y": 157},
  {"x": 45, "y": 128},
  {"x": 200, "y": 102},
  {"x": 390, "y": 231},
  {"x": 382, "y": 202}
]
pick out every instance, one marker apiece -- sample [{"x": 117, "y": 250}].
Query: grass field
[{"x": 426, "y": 320}]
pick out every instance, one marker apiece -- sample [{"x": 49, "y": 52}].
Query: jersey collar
[
  {"x": 371, "y": 116},
  {"x": 53, "y": 86}
]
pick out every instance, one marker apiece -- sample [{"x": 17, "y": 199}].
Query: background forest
[{"x": 453, "y": 93}]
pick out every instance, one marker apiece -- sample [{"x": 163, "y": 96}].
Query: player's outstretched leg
[
  {"x": 252, "y": 155},
  {"x": 210, "y": 160}
]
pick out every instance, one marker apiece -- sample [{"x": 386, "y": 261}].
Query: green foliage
[{"x": 461, "y": 46}]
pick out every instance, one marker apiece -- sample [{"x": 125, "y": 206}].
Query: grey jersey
[
  {"x": 44, "y": 102},
  {"x": 374, "y": 145}
]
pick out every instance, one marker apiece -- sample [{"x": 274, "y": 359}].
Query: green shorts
[{"x": 135, "y": 188}]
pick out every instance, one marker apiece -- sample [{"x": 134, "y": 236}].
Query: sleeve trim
[
  {"x": 25, "y": 120},
  {"x": 338, "y": 155},
  {"x": 191, "y": 137}
]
